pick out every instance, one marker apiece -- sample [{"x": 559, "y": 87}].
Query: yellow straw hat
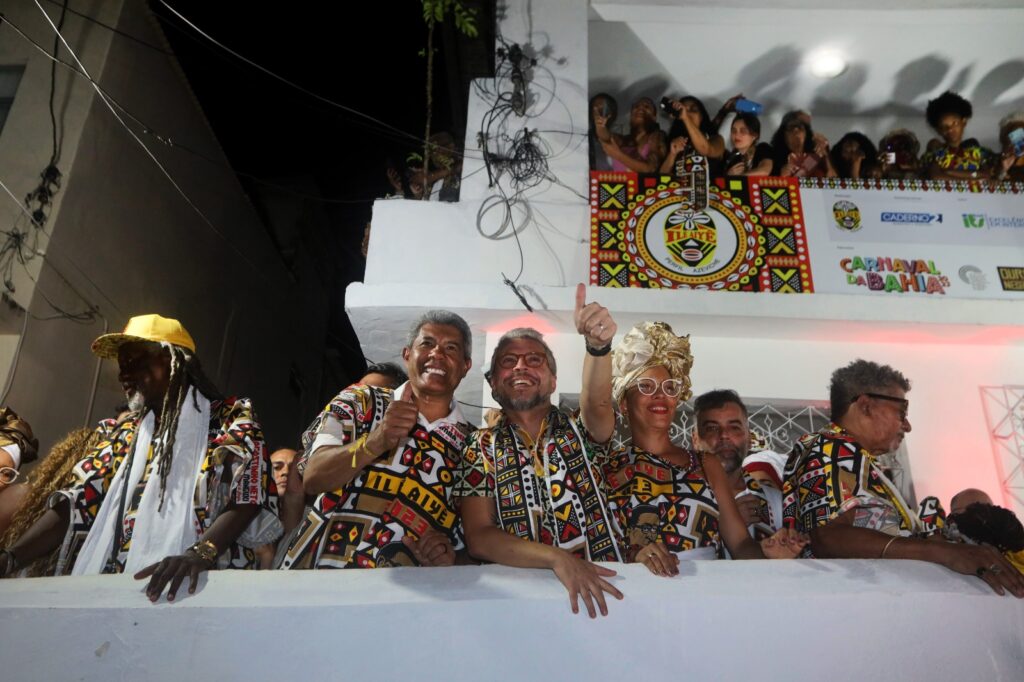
[{"x": 144, "y": 328}]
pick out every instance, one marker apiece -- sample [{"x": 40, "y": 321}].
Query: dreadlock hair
[
  {"x": 186, "y": 373},
  {"x": 53, "y": 473}
]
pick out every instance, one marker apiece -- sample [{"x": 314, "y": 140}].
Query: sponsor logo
[
  {"x": 904, "y": 218},
  {"x": 894, "y": 274},
  {"x": 987, "y": 220},
  {"x": 847, "y": 215},
  {"x": 972, "y": 274},
  {"x": 1012, "y": 278}
]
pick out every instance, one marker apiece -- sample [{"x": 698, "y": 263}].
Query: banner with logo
[
  {"x": 658, "y": 231},
  {"x": 954, "y": 239},
  {"x": 913, "y": 238}
]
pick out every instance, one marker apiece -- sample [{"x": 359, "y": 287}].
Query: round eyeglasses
[
  {"x": 8, "y": 475},
  {"x": 670, "y": 387}
]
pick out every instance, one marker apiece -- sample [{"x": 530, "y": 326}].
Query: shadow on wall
[
  {"x": 649, "y": 79},
  {"x": 773, "y": 79}
]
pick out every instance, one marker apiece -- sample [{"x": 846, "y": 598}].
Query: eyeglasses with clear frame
[
  {"x": 532, "y": 360},
  {"x": 648, "y": 386},
  {"x": 8, "y": 475}
]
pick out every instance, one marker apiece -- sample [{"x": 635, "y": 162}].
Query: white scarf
[{"x": 157, "y": 533}]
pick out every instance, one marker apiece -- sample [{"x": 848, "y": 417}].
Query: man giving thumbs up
[{"x": 383, "y": 462}]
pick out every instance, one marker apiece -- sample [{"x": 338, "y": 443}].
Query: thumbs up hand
[
  {"x": 593, "y": 320},
  {"x": 398, "y": 421}
]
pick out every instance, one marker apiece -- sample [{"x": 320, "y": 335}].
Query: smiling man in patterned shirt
[{"x": 382, "y": 462}]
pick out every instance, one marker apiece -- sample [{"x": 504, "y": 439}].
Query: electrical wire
[
  {"x": 167, "y": 141},
  {"x": 20, "y": 205},
  {"x": 149, "y": 153},
  {"x": 113, "y": 29},
  {"x": 55, "y": 156},
  {"x": 296, "y": 86}
]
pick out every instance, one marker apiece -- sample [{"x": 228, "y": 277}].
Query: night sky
[{"x": 363, "y": 55}]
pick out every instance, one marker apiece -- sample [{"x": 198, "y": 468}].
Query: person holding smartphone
[
  {"x": 1011, "y": 136},
  {"x": 604, "y": 107},
  {"x": 642, "y": 148},
  {"x": 692, "y": 133},
  {"x": 898, "y": 155},
  {"x": 749, "y": 156},
  {"x": 798, "y": 152}
]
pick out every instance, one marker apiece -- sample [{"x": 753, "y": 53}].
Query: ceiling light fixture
[{"x": 826, "y": 63}]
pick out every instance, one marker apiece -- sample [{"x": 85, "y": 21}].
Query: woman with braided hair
[
  {"x": 53, "y": 473},
  {"x": 668, "y": 501}
]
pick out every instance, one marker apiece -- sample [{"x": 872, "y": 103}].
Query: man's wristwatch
[{"x": 205, "y": 550}]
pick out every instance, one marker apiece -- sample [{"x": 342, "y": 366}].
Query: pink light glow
[{"x": 529, "y": 320}]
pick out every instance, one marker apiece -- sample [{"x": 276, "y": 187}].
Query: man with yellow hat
[{"x": 178, "y": 487}]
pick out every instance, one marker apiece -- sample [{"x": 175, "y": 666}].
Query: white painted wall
[
  {"x": 125, "y": 240},
  {"x": 498, "y": 623},
  {"x": 898, "y": 60}
]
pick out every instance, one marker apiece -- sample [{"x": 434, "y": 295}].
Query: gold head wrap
[{"x": 647, "y": 345}]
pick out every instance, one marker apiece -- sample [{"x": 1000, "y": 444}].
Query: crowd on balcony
[
  {"x": 795, "y": 149},
  {"x": 391, "y": 473}
]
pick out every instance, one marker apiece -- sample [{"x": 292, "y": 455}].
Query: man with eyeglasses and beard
[
  {"x": 836, "y": 491},
  {"x": 530, "y": 494}
]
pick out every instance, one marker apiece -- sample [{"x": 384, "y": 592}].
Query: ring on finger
[{"x": 995, "y": 568}]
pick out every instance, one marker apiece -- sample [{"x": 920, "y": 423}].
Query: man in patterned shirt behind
[
  {"x": 179, "y": 486},
  {"x": 382, "y": 462},
  {"x": 836, "y": 491}
]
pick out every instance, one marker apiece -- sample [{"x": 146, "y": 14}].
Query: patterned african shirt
[
  {"x": 652, "y": 499},
  {"x": 546, "y": 491},
  {"x": 970, "y": 157},
  {"x": 829, "y": 473},
  {"x": 236, "y": 469},
  {"x": 408, "y": 492}
]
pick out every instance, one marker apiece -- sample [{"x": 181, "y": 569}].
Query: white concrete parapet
[{"x": 792, "y": 620}]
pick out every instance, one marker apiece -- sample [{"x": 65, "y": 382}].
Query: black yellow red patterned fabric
[
  {"x": 549, "y": 493},
  {"x": 654, "y": 500},
  {"x": 236, "y": 469},
  {"x": 829, "y": 473},
  {"x": 407, "y": 492}
]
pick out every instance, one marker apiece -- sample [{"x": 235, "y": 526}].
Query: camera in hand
[{"x": 668, "y": 106}]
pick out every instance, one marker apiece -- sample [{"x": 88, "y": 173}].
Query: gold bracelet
[
  {"x": 886, "y": 548},
  {"x": 205, "y": 550},
  {"x": 359, "y": 445}
]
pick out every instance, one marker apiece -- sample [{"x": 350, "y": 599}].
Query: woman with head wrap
[{"x": 666, "y": 499}]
